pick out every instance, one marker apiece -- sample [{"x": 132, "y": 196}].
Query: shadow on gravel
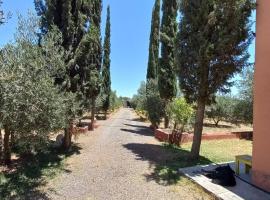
[
  {"x": 137, "y": 126},
  {"x": 139, "y": 131},
  {"x": 25, "y": 177},
  {"x": 140, "y": 119},
  {"x": 165, "y": 160}
]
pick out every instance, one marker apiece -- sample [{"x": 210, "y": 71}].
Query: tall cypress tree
[
  {"x": 106, "y": 75},
  {"x": 211, "y": 47},
  {"x": 89, "y": 61},
  {"x": 153, "y": 58},
  {"x": 71, "y": 18},
  {"x": 167, "y": 77},
  {"x": 95, "y": 57}
]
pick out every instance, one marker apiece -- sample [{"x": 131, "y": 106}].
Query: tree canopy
[{"x": 211, "y": 47}]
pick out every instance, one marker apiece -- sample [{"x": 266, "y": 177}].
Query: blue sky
[{"x": 130, "y": 20}]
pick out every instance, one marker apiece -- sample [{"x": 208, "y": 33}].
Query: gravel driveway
[{"x": 117, "y": 162}]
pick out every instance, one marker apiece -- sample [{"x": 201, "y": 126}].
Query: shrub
[
  {"x": 154, "y": 104},
  {"x": 180, "y": 112}
]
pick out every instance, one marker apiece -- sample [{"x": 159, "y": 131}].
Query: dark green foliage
[
  {"x": 96, "y": 9},
  {"x": 1, "y": 14},
  {"x": 106, "y": 75},
  {"x": 71, "y": 17},
  {"x": 154, "y": 43},
  {"x": 166, "y": 77},
  {"x": 88, "y": 57},
  {"x": 211, "y": 47},
  {"x": 154, "y": 105}
]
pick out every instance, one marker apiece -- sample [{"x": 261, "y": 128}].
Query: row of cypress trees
[
  {"x": 88, "y": 61},
  {"x": 205, "y": 52}
]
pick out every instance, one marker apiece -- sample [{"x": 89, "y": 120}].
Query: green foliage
[
  {"x": 115, "y": 101},
  {"x": 180, "y": 113},
  {"x": 243, "y": 112},
  {"x": 222, "y": 109},
  {"x": 166, "y": 76},
  {"x": 212, "y": 45},
  {"x": 154, "y": 105},
  {"x": 31, "y": 105},
  {"x": 153, "y": 60},
  {"x": 1, "y": 14},
  {"x": 89, "y": 62},
  {"x": 71, "y": 18},
  {"x": 106, "y": 75},
  {"x": 96, "y": 9},
  {"x": 138, "y": 100},
  {"x": 244, "y": 107},
  {"x": 211, "y": 48}
]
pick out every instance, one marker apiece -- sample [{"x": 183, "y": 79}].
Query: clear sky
[{"x": 130, "y": 21}]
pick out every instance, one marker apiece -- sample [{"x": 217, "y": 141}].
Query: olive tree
[{"x": 32, "y": 106}]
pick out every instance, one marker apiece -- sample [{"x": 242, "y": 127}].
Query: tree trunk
[
  {"x": 105, "y": 114},
  {"x": 67, "y": 137},
  {"x": 216, "y": 122},
  {"x": 198, "y": 128},
  {"x": 1, "y": 145},
  {"x": 7, "y": 151},
  {"x": 12, "y": 139},
  {"x": 93, "y": 110},
  {"x": 167, "y": 121}
]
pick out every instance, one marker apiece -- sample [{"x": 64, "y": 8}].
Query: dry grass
[{"x": 225, "y": 127}]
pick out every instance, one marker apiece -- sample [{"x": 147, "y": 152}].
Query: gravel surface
[{"x": 116, "y": 162}]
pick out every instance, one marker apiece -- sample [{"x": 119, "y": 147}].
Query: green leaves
[
  {"x": 31, "y": 104},
  {"x": 180, "y": 112},
  {"x": 152, "y": 70},
  {"x": 212, "y": 45},
  {"x": 106, "y": 75},
  {"x": 166, "y": 74}
]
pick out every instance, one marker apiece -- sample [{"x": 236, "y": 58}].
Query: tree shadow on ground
[
  {"x": 28, "y": 174},
  {"x": 139, "y": 119},
  {"x": 139, "y": 131},
  {"x": 218, "y": 126},
  {"x": 165, "y": 161},
  {"x": 137, "y": 126}
]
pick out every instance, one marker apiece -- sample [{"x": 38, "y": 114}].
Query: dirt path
[{"x": 117, "y": 161}]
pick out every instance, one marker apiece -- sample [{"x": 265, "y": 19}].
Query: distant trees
[
  {"x": 115, "y": 101},
  {"x": 138, "y": 101},
  {"x": 222, "y": 109},
  {"x": 166, "y": 72},
  {"x": 106, "y": 75},
  {"x": 211, "y": 47},
  {"x": 244, "y": 107}
]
